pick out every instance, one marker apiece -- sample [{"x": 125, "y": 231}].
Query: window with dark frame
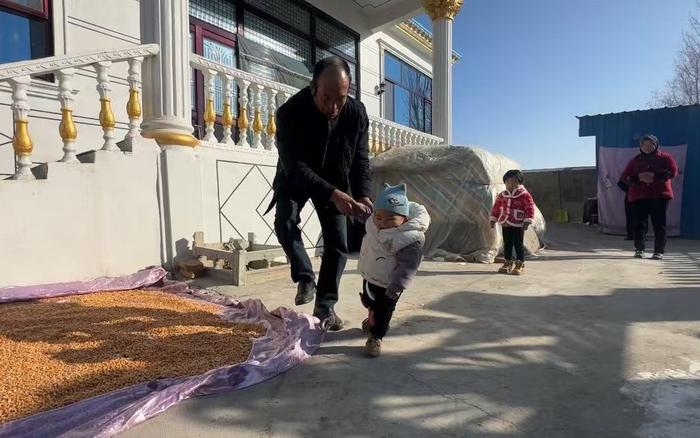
[
  {"x": 279, "y": 40},
  {"x": 407, "y": 94},
  {"x": 25, "y": 30}
]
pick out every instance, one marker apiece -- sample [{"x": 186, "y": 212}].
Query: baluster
[
  {"x": 392, "y": 137},
  {"x": 133, "y": 106},
  {"x": 404, "y": 138},
  {"x": 257, "y": 118},
  {"x": 285, "y": 97},
  {"x": 271, "y": 126},
  {"x": 372, "y": 136},
  {"x": 21, "y": 141},
  {"x": 209, "y": 111},
  {"x": 243, "y": 113},
  {"x": 380, "y": 137},
  {"x": 413, "y": 138},
  {"x": 67, "y": 128},
  {"x": 227, "y": 117},
  {"x": 107, "y": 120}
]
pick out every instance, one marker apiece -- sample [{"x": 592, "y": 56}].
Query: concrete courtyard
[{"x": 589, "y": 343}]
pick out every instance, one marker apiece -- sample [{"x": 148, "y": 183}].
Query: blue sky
[{"x": 530, "y": 67}]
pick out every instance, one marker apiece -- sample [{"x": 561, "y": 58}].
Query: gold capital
[
  {"x": 442, "y": 9},
  {"x": 21, "y": 141}
]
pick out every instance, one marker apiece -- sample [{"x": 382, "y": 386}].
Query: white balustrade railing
[
  {"x": 18, "y": 75},
  {"x": 259, "y": 98}
]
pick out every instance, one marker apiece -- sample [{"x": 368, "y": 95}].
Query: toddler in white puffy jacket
[{"x": 391, "y": 253}]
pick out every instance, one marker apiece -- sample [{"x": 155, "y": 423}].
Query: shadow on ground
[{"x": 477, "y": 365}]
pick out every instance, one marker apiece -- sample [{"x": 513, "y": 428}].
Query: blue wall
[{"x": 673, "y": 126}]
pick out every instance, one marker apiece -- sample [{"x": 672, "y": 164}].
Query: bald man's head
[{"x": 330, "y": 85}]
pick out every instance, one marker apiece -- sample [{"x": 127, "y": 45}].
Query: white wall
[
  {"x": 79, "y": 26},
  {"x": 85, "y": 220}
]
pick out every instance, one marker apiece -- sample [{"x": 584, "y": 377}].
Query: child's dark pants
[
  {"x": 382, "y": 308},
  {"x": 513, "y": 238}
]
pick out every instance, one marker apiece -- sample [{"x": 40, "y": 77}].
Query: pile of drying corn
[{"x": 60, "y": 350}]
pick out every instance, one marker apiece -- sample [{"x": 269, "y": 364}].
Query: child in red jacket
[{"x": 514, "y": 209}]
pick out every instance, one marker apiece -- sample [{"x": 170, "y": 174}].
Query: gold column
[
  {"x": 257, "y": 122},
  {"x": 67, "y": 128},
  {"x": 271, "y": 126},
  {"x": 21, "y": 141},
  {"x": 242, "y": 120},
  {"x": 227, "y": 116},
  {"x": 107, "y": 120},
  {"x": 210, "y": 114},
  {"x": 133, "y": 106}
]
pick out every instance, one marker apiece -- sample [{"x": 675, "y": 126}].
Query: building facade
[{"x": 131, "y": 124}]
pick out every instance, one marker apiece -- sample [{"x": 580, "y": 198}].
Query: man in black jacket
[{"x": 323, "y": 156}]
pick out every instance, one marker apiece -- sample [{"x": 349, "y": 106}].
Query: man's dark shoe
[
  {"x": 329, "y": 319},
  {"x": 305, "y": 292},
  {"x": 639, "y": 254},
  {"x": 658, "y": 256}
]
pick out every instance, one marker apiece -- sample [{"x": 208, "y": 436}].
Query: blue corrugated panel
[{"x": 673, "y": 126}]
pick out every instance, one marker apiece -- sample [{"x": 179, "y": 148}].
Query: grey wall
[{"x": 562, "y": 188}]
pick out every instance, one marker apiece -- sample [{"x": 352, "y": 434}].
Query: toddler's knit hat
[{"x": 393, "y": 199}]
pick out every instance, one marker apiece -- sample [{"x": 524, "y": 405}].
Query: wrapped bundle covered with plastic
[{"x": 458, "y": 185}]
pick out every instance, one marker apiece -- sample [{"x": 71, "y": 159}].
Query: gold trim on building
[
  {"x": 271, "y": 125},
  {"x": 173, "y": 138},
  {"x": 67, "y": 128},
  {"x": 442, "y": 9},
  {"x": 227, "y": 116},
  {"x": 210, "y": 113},
  {"x": 106, "y": 115},
  {"x": 423, "y": 38},
  {"x": 133, "y": 106},
  {"x": 21, "y": 141},
  {"x": 257, "y": 122},
  {"x": 242, "y": 118}
]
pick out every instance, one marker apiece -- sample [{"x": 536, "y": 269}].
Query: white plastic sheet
[{"x": 458, "y": 186}]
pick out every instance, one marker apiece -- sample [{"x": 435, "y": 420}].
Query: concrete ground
[{"x": 589, "y": 343}]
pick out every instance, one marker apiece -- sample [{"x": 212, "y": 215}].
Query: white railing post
[
  {"x": 227, "y": 116},
  {"x": 21, "y": 141},
  {"x": 67, "y": 128},
  {"x": 257, "y": 117},
  {"x": 209, "y": 110},
  {"x": 271, "y": 126},
  {"x": 243, "y": 113},
  {"x": 133, "y": 106},
  {"x": 372, "y": 137},
  {"x": 107, "y": 120}
]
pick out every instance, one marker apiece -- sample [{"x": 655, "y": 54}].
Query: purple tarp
[
  {"x": 290, "y": 339},
  {"x": 611, "y": 200}
]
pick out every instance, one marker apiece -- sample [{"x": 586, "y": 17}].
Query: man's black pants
[
  {"x": 335, "y": 247},
  {"x": 656, "y": 208},
  {"x": 513, "y": 238}
]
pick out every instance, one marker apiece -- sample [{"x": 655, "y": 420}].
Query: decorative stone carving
[{"x": 442, "y": 9}]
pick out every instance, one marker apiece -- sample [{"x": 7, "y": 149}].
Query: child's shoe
[
  {"x": 519, "y": 268},
  {"x": 373, "y": 347},
  {"x": 506, "y": 268}
]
